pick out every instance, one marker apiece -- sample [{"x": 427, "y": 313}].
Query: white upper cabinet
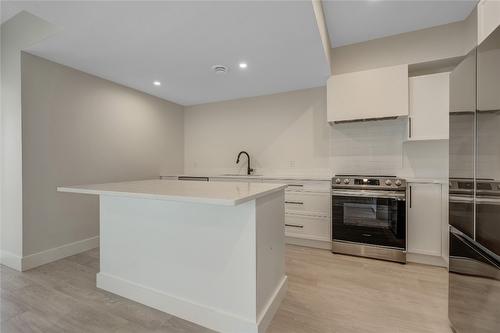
[
  {"x": 488, "y": 18},
  {"x": 429, "y": 107},
  {"x": 463, "y": 86},
  {"x": 488, "y": 72},
  {"x": 376, "y": 93}
]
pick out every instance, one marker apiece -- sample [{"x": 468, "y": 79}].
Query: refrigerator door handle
[{"x": 488, "y": 201}]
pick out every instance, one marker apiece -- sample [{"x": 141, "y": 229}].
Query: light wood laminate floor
[{"x": 327, "y": 293}]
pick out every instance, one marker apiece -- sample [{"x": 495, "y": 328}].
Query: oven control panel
[{"x": 369, "y": 182}]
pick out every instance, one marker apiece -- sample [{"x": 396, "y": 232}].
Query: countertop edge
[
  {"x": 267, "y": 177},
  {"x": 192, "y": 199}
]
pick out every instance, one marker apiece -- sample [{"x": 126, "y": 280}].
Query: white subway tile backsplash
[{"x": 373, "y": 147}]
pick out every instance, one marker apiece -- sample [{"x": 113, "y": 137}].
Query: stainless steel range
[{"x": 369, "y": 216}]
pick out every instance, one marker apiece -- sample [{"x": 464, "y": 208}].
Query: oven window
[
  {"x": 367, "y": 212},
  {"x": 376, "y": 221}
]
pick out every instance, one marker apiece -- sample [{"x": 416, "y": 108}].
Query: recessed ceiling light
[
  {"x": 157, "y": 83},
  {"x": 243, "y": 65}
]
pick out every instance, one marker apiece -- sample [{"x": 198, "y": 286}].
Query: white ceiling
[
  {"x": 357, "y": 21},
  {"x": 135, "y": 43},
  {"x": 176, "y": 42}
]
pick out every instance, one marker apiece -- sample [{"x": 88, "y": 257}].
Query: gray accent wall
[{"x": 81, "y": 129}]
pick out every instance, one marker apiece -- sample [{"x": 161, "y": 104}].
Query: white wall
[
  {"x": 285, "y": 133},
  {"x": 79, "y": 129},
  {"x": 292, "y": 127},
  {"x": 288, "y": 132},
  {"x": 441, "y": 42},
  {"x": 17, "y": 33}
]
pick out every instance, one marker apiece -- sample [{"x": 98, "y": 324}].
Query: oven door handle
[
  {"x": 488, "y": 201},
  {"x": 370, "y": 194}
]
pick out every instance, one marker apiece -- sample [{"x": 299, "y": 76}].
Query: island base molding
[{"x": 205, "y": 316}]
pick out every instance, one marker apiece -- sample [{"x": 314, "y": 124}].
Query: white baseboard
[
  {"x": 212, "y": 318},
  {"x": 318, "y": 244},
  {"x": 11, "y": 260},
  {"x": 267, "y": 314},
  {"x": 60, "y": 252},
  {"x": 426, "y": 259}
]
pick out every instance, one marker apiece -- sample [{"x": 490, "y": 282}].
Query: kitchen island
[{"x": 208, "y": 252}]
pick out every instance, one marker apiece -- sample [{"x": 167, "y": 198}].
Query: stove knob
[
  {"x": 388, "y": 182},
  {"x": 398, "y": 182},
  {"x": 337, "y": 181},
  {"x": 346, "y": 181}
]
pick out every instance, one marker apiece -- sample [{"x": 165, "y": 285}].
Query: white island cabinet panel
[
  {"x": 211, "y": 253},
  {"x": 425, "y": 219},
  {"x": 429, "y": 107},
  {"x": 375, "y": 93}
]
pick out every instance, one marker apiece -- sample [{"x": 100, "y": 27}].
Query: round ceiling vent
[{"x": 220, "y": 69}]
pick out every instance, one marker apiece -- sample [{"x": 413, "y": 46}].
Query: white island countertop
[{"x": 217, "y": 193}]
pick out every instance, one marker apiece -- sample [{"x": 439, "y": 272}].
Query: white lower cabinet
[
  {"x": 308, "y": 214},
  {"x": 316, "y": 204},
  {"x": 307, "y": 209},
  {"x": 425, "y": 221},
  {"x": 309, "y": 227}
]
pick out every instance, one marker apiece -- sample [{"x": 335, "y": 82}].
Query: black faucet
[{"x": 249, "y": 170}]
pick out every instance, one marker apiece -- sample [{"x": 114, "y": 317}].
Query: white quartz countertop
[
  {"x": 427, "y": 180},
  {"x": 218, "y": 193}
]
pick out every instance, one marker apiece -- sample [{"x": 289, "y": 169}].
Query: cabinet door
[
  {"x": 488, "y": 16},
  {"x": 463, "y": 86},
  {"x": 376, "y": 93},
  {"x": 429, "y": 107},
  {"x": 424, "y": 219}
]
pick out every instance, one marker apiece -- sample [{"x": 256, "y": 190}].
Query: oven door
[{"x": 369, "y": 217}]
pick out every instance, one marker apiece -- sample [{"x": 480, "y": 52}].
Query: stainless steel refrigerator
[{"x": 474, "y": 204}]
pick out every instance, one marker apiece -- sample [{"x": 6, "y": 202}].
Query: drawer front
[
  {"x": 308, "y": 202},
  {"x": 307, "y": 227},
  {"x": 321, "y": 186}
]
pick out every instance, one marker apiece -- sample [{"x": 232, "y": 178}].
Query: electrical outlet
[{"x": 292, "y": 164}]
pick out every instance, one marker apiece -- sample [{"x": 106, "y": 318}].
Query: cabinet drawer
[
  {"x": 308, "y": 202},
  {"x": 310, "y": 227},
  {"x": 322, "y": 186}
]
